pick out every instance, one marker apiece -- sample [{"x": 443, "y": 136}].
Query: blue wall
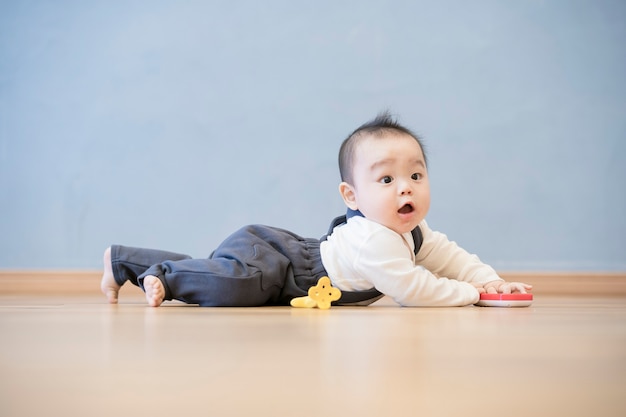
[{"x": 169, "y": 124}]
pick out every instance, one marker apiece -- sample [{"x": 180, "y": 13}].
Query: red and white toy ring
[{"x": 505, "y": 300}]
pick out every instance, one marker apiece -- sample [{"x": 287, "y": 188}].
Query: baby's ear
[{"x": 348, "y": 195}]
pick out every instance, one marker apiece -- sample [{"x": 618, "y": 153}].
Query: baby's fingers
[
  {"x": 520, "y": 287},
  {"x": 505, "y": 288}
]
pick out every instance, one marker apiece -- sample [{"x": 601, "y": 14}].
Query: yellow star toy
[{"x": 320, "y": 296}]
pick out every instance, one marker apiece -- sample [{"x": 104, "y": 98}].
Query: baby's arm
[
  {"x": 446, "y": 259},
  {"x": 385, "y": 261}
]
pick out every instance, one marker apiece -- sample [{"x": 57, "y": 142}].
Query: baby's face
[{"x": 391, "y": 182}]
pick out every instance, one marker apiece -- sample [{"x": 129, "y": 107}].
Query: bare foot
[
  {"x": 155, "y": 292},
  {"x": 108, "y": 285}
]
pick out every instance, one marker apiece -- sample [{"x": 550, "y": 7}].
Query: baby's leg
[
  {"x": 125, "y": 263},
  {"x": 108, "y": 285},
  {"x": 155, "y": 292},
  {"x": 250, "y": 268}
]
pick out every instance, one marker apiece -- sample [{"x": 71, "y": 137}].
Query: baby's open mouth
[{"x": 406, "y": 209}]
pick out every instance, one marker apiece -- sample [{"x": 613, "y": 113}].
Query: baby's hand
[{"x": 503, "y": 287}]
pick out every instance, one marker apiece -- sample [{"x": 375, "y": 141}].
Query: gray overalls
[{"x": 257, "y": 265}]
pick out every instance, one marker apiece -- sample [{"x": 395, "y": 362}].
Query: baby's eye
[
  {"x": 416, "y": 176},
  {"x": 386, "y": 179}
]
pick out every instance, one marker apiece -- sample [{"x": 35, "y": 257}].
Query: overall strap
[
  {"x": 355, "y": 298},
  {"x": 418, "y": 238}
]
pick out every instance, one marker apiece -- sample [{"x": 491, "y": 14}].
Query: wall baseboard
[
  {"x": 51, "y": 282},
  {"x": 87, "y": 282},
  {"x": 605, "y": 284}
]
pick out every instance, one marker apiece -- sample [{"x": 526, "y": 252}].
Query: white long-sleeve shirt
[{"x": 363, "y": 254}]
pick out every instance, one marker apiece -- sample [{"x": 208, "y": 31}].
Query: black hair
[{"x": 382, "y": 124}]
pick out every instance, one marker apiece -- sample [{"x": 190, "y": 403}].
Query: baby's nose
[{"x": 405, "y": 188}]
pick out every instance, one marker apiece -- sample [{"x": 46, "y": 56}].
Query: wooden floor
[{"x": 77, "y": 356}]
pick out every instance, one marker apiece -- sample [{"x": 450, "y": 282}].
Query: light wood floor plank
[{"x": 77, "y": 356}]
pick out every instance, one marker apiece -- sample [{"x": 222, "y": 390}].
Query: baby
[{"x": 382, "y": 247}]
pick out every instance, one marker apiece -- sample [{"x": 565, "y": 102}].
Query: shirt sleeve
[
  {"x": 386, "y": 260},
  {"x": 445, "y": 258}
]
